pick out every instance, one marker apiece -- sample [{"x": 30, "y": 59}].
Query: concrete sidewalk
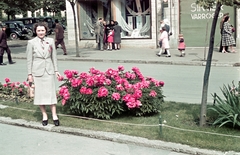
[{"x": 194, "y": 56}]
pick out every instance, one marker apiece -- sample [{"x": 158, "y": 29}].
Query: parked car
[
  {"x": 16, "y": 30},
  {"x": 28, "y": 22}
]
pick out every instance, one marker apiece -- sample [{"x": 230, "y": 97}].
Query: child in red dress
[
  {"x": 181, "y": 45},
  {"x": 110, "y": 39}
]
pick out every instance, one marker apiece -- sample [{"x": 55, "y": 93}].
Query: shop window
[{"x": 132, "y": 15}]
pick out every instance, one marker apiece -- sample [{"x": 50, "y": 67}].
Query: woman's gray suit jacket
[{"x": 40, "y": 60}]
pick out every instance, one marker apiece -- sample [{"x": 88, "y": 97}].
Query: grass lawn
[{"x": 181, "y": 120}]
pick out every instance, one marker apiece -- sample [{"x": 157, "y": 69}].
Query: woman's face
[{"x": 41, "y": 31}]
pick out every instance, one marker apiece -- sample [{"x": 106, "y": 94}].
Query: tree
[
  {"x": 14, "y": 7},
  {"x": 207, "y": 4},
  {"x": 53, "y": 6}
]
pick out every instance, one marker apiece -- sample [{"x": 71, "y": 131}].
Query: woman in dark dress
[{"x": 117, "y": 35}]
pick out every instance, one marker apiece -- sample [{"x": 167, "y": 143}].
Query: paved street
[
  {"x": 25, "y": 141},
  {"x": 183, "y": 83}
]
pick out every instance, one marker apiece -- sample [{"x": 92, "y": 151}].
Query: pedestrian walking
[
  {"x": 165, "y": 43},
  {"x": 227, "y": 38},
  {"x": 221, "y": 31},
  {"x": 181, "y": 45},
  {"x": 59, "y": 37},
  {"x": 4, "y": 46},
  {"x": 117, "y": 36},
  {"x": 110, "y": 39},
  {"x": 99, "y": 33},
  {"x": 42, "y": 68}
]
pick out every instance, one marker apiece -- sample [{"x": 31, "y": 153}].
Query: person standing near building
[
  {"x": 227, "y": 38},
  {"x": 4, "y": 46},
  {"x": 117, "y": 35},
  {"x": 99, "y": 32},
  {"x": 42, "y": 69},
  {"x": 221, "y": 32},
  {"x": 165, "y": 43},
  {"x": 59, "y": 36},
  {"x": 110, "y": 39},
  {"x": 181, "y": 45}
]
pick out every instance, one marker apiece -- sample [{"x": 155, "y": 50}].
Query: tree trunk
[
  {"x": 208, "y": 67},
  {"x": 75, "y": 27}
]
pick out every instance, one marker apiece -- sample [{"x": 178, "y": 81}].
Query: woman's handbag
[{"x": 30, "y": 90}]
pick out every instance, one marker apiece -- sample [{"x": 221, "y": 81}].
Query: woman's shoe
[
  {"x": 45, "y": 122},
  {"x": 168, "y": 56},
  {"x": 56, "y": 122}
]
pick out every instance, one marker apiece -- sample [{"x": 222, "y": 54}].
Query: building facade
[{"x": 140, "y": 21}]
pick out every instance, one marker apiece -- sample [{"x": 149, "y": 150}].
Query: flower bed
[
  {"x": 14, "y": 90},
  {"x": 111, "y": 93}
]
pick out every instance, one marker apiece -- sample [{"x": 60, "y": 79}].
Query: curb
[
  {"x": 115, "y": 137},
  {"x": 231, "y": 64}
]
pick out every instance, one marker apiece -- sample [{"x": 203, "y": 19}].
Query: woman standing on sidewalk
[
  {"x": 42, "y": 68},
  {"x": 165, "y": 42},
  {"x": 227, "y": 38}
]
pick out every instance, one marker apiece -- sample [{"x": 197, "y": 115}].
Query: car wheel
[
  {"x": 13, "y": 36},
  {"x": 30, "y": 33}
]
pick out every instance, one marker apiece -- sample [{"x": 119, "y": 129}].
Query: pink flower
[
  {"x": 68, "y": 74},
  {"x": 83, "y": 90},
  {"x": 94, "y": 71},
  {"x": 134, "y": 104},
  {"x": 126, "y": 97},
  {"x": 110, "y": 72},
  {"x": 119, "y": 87},
  {"x": 64, "y": 92},
  {"x": 66, "y": 95},
  {"x": 63, "y": 101},
  {"x": 20, "y": 90},
  {"x": 153, "y": 93},
  {"x": 137, "y": 94},
  {"x": 89, "y": 91},
  {"x": 50, "y": 49},
  {"x": 102, "y": 92},
  {"x": 83, "y": 75},
  {"x": 90, "y": 81},
  {"x": 116, "y": 96},
  {"x": 75, "y": 72},
  {"x": 12, "y": 85},
  {"x": 60, "y": 78},
  {"x": 120, "y": 68},
  {"x": 76, "y": 82},
  {"x": 7, "y": 80},
  {"x": 161, "y": 83},
  {"x": 108, "y": 82}
]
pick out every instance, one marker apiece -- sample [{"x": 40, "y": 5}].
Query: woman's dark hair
[
  {"x": 40, "y": 24},
  {"x": 163, "y": 28},
  {"x": 116, "y": 23},
  {"x": 226, "y": 18}
]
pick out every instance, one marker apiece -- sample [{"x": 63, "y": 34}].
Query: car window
[{"x": 11, "y": 25}]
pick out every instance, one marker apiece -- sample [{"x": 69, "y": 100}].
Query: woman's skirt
[{"x": 45, "y": 90}]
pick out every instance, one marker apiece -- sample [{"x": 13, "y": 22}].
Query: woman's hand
[{"x": 57, "y": 74}]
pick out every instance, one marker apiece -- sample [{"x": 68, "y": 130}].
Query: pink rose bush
[
  {"x": 107, "y": 94},
  {"x": 13, "y": 89}
]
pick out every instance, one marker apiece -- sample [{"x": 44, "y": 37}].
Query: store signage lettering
[{"x": 201, "y": 13}]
